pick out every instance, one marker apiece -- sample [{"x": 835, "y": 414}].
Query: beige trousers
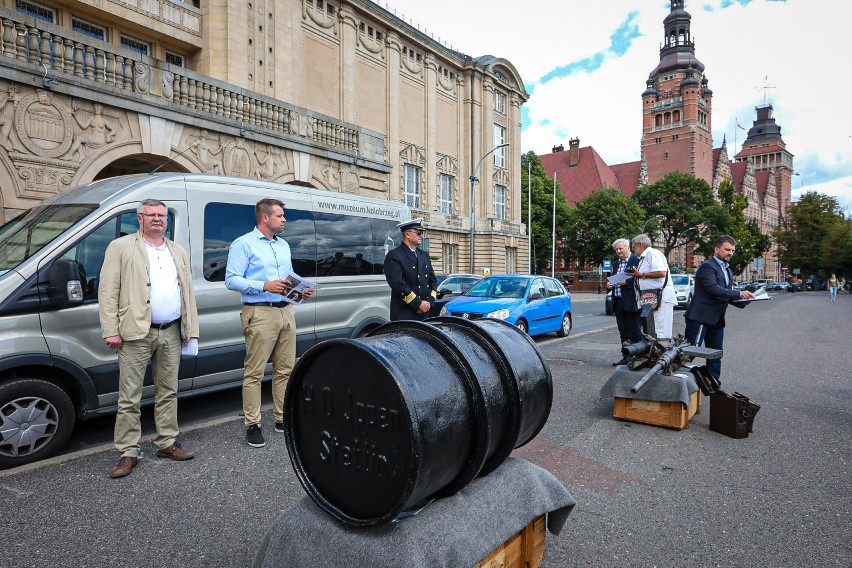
[
  {"x": 269, "y": 332},
  {"x": 162, "y": 349}
]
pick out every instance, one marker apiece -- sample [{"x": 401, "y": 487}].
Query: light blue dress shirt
[{"x": 252, "y": 260}]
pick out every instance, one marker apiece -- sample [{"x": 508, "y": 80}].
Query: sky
[{"x": 585, "y": 63}]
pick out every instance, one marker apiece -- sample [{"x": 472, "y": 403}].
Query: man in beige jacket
[{"x": 147, "y": 312}]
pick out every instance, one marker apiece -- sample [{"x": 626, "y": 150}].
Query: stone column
[
  {"x": 431, "y": 197},
  {"x": 348, "y": 45},
  {"x": 394, "y": 51},
  {"x": 513, "y": 156}
]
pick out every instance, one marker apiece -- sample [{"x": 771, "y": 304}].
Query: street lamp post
[
  {"x": 473, "y": 182},
  {"x": 553, "y": 234},
  {"x": 680, "y": 251},
  {"x": 659, "y": 217},
  {"x": 553, "y": 230}
]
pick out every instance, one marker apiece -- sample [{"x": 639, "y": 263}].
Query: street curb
[{"x": 94, "y": 450}]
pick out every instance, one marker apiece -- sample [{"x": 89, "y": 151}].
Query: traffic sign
[{"x": 607, "y": 265}]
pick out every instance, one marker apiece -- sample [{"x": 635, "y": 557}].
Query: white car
[{"x": 684, "y": 285}]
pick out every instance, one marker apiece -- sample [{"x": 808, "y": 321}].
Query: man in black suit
[
  {"x": 705, "y": 316},
  {"x": 410, "y": 276},
  {"x": 624, "y": 304}
]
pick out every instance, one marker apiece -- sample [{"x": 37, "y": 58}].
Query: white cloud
[{"x": 794, "y": 46}]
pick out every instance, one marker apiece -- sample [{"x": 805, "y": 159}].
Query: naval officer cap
[{"x": 413, "y": 225}]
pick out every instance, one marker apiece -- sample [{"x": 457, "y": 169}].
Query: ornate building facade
[{"x": 339, "y": 95}]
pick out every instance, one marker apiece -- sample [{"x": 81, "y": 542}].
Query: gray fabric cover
[
  {"x": 663, "y": 388},
  {"x": 455, "y": 531}
]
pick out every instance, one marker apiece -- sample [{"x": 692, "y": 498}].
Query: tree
[
  {"x": 542, "y": 211},
  {"x": 602, "y": 216},
  {"x": 810, "y": 233},
  {"x": 751, "y": 242},
  {"x": 687, "y": 207}
]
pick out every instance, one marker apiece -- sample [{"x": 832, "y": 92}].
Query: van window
[
  {"x": 89, "y": 252},
  {"x": 224, "y": 222},
  {"x": 322, "y": 244},
  {"x": 28, "y": 233}
]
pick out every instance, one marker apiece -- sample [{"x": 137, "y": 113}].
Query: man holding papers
[
  {"x": 705, "y": 316},
  {"x": 624, "y": 295}
]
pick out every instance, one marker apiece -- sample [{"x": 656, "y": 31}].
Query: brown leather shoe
[
  {"x": 175, "y": 452},
  {"x": 123, "y": 468}
]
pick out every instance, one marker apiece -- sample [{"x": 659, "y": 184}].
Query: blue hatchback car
[{"x": 536, "y": 304}]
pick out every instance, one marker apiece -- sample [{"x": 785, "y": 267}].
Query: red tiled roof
[
  {"x": 578, "y": 181},
  {"x": 737, "y": 174},
  {"x": 761, "y": 178},
  {"x": 716, "y": 153},
  {"x": 627, "y": 175},
  {"x": 760, "y": 150}
]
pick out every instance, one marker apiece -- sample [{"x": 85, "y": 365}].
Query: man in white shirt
[
  {"x": 147, "y": 311},
  {"x": 653, "y": 273}
]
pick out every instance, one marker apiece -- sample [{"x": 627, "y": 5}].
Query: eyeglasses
[
  {"x": 421, "y": 233},
  {"x": 154, "y": 215}
]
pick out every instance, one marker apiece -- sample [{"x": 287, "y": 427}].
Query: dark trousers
[
  {"x": 628, "y": 321},
  {"x": 711, "y": 336}
]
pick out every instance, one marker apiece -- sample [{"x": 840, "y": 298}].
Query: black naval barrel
[{"x": 412, "y": 412}]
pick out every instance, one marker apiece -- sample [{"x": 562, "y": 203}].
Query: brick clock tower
[{"x": 676, "y": 106}]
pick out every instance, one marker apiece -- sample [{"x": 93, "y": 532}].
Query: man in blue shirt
[{"x": 258, "y": 265}]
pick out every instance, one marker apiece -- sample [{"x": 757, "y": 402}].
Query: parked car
[
  {"x": 783, "y": 286},
  {"x": 684, "y": 285},
  {"x": 536, "y": 304},
  {"x": 608, "y": 304},
  {"x": 450, "y": 287}
]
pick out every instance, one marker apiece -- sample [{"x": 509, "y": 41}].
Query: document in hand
[
  {"x": 296, "y": 288},
  {"x": 617, "y": 278},
  {"x": 759, "y": 295}
]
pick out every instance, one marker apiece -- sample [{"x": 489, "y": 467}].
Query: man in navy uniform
[
  {"x": 705, "y": 316},
  {"x": 410, "y": 276}
]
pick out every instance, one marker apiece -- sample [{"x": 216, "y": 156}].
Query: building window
[
  {"x": 499, "y": 101},
  {"x": 88, "y": 28},
  {"x": 499, "y": 153},
  {"x": 449, "y": 257},
  {"x": 511, "y": 260},
  {"x": 174, "y": 59},
  {"x": 411, "y": 185},
  {"x": 500, "y": 202},
  {"x": 36, "y": 10},
  {"x": 445, "y": 198},
  {"x": 136, "y": 45}
]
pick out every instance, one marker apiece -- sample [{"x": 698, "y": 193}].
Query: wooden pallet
[
  {"x": 657, "y": 413},
  {"x": 524, "y": 549}
]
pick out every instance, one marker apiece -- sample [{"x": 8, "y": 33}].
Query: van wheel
[{"x": 36, "y": 419}]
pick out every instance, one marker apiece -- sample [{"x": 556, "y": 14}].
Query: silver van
[{"x": 54, "y": 365}]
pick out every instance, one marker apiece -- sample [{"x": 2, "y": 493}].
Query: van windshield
[{"x": 32, "y": 230}]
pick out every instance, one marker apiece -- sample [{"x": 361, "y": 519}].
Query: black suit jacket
[
  {"x": 412, "y": 280},
  {"x": 629, "y": 301},
  {"x": 712, "y": 296}
]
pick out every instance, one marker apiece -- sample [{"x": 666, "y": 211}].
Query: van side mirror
[{"x": 65, "y": 286}]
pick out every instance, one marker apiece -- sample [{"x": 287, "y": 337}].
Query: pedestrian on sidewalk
[
  {"x": 147, "y": 312},
  {"x": 832, "y": 287}
]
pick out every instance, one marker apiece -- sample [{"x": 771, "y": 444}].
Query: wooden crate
[
  {"x": 524, "y": 549},
  {"x": 657, "y": 413}
]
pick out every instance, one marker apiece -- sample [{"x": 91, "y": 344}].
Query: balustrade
[{"x": 63, "y": 52}]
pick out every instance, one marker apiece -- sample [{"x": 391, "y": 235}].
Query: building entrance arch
[{"x": 139, "y": 164}]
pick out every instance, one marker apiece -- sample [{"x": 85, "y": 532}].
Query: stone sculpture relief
[
  {"x": 97, "y": 132},
  {"x": 207, "y": 154}
]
